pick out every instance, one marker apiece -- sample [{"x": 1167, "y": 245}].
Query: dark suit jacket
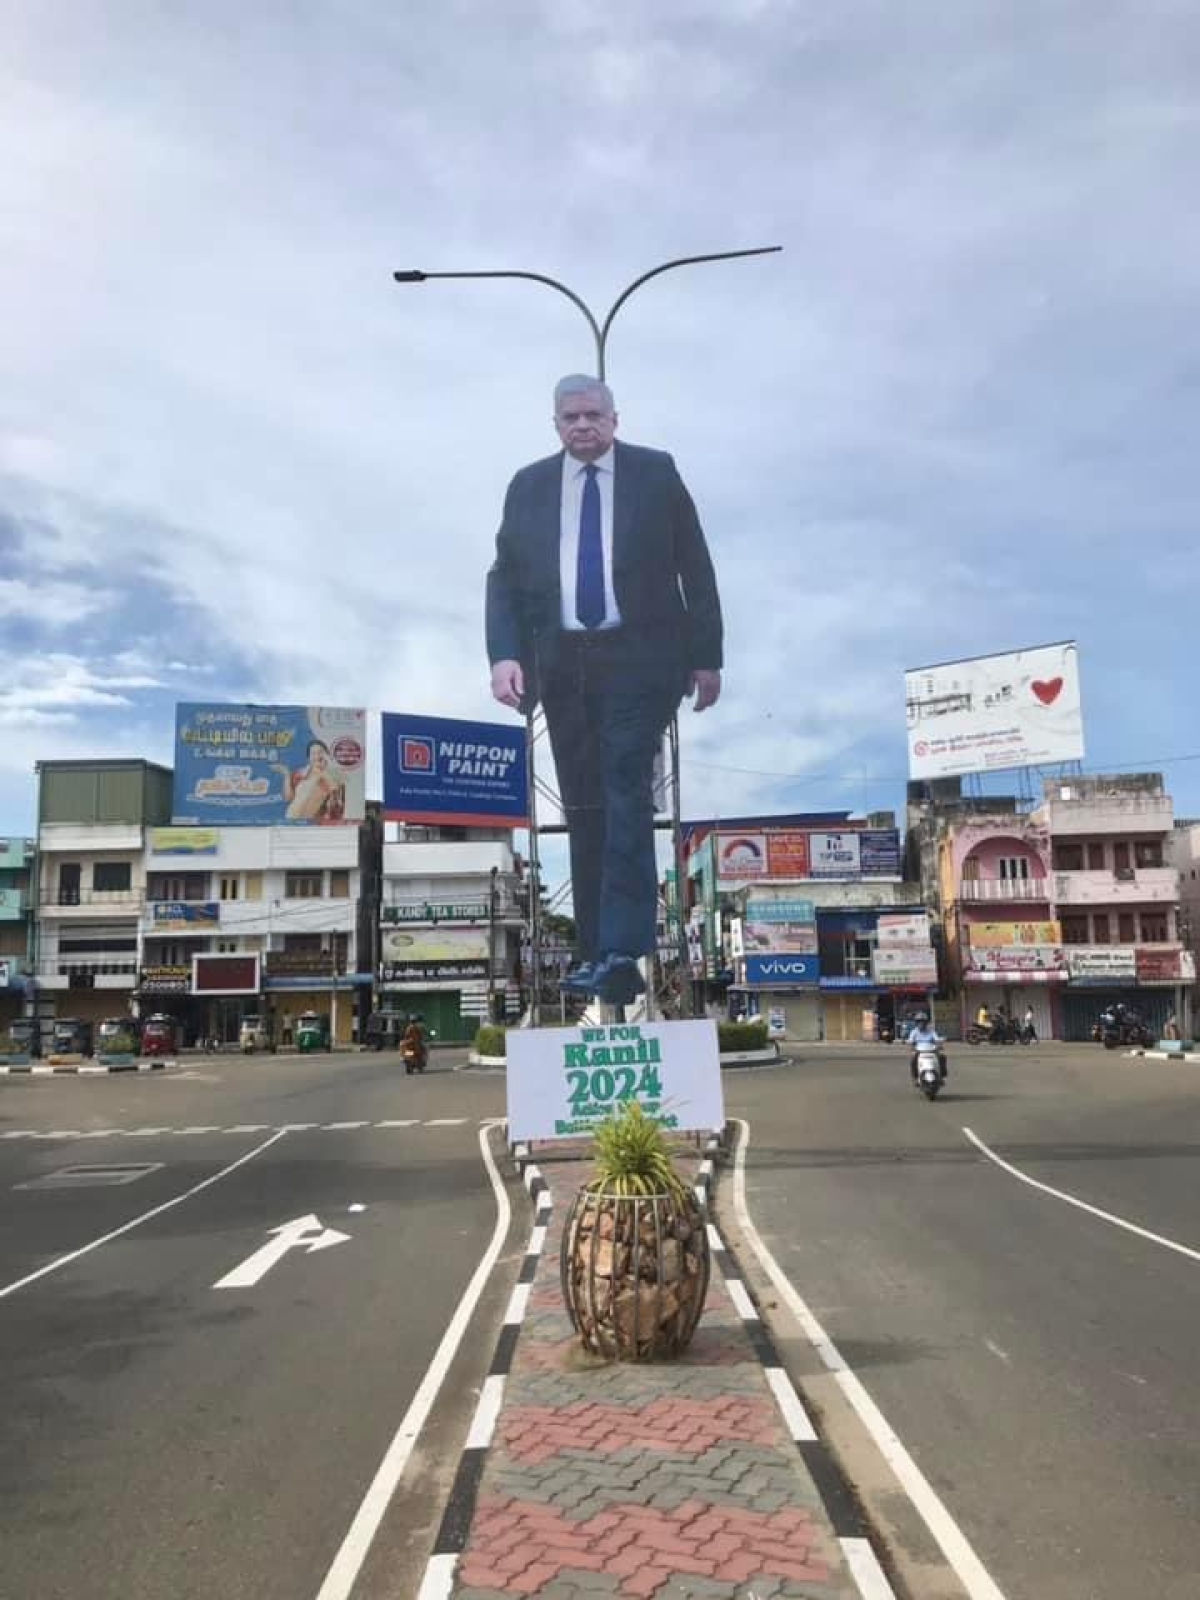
[{"x": 662, "y": 574}]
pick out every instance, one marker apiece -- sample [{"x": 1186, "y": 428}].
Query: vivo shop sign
[{"x": 444, "y": 770}]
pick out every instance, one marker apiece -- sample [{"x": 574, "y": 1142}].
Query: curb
[
  {"x": 731, "y": 1058},
  {"x": 455, "y": 1526},
  {"x": 27, "y": 1069}
]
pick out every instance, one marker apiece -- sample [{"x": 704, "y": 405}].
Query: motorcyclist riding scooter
[
  {"x": 413, "y": 1049},
  {"x": 923, "y": 1033}
]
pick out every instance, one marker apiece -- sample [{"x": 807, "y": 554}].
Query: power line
[{"x": 1148, "y": 763}]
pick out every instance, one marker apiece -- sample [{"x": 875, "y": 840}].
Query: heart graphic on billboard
[{"x": 1049, "y": 692}]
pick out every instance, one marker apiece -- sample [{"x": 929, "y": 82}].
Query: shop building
[
  {"x": 451, "y": 918},
  {"x": 18, "y": 891},
  {"x": 280, "y": 906},
  {"x": 93, "y": 819}
]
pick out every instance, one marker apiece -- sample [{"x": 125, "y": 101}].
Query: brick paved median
[{"x": 665, "y": 1481}]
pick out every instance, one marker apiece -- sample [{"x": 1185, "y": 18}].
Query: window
[
  {"x": 177, "y": 886},
  {"x": 227, "y": 947},
  {"x": 303, "y": 886},
  {"x": 1095, "y": 853},
  {"x": 1068, "y": 858},
  {"x": 1148, "y": 854},
  {"x": 302, "y": 944},
  {"x": 1154, "y": 927},
  {"x": 970, "y": 870},
  {"x": 1075, "y": 930},
  {"x": 1014, "y": 867},
  {"x": 1100, "y": 929},
  {"x": 229, "y": 888},
  {"x": 111, "y": 877},
  {"x": 1121, "y": 857},
  {"x": 68, "y": 883},
  {"x": 339, "y": 885},
  {"x": 1125, "y": 928}
]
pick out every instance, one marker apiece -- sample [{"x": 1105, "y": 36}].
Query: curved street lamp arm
[
  {"x": 683, "y": 261},
  {"x": 533, "y": 277}
]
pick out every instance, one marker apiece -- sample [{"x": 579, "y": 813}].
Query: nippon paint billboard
[
  {"x": 445, "y": 770},
  {"x": 991, "y": 713}
]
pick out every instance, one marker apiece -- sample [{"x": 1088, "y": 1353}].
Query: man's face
[{"x": 585, "y": 424}]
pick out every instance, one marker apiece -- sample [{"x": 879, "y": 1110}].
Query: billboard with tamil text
[{"x": 266, "y": 766}]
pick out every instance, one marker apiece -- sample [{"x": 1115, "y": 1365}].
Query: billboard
[
  {"x": 787, "y": 854},
  {"x": 741, "y": 856},
  {"x": 1102, "y": 963},
  {"x": 184, "y": 916},
  {"x": 834, "y": 855},
  {"x": 992, "y": 713},
  {"x": 783, "y": 971},
  {"x": 994, "y": 934},
  {"x": 901, "y": 966},
  {"x": 903, "y": 927},
  {"x": 445, "y": 770},
  {"x": 184, "y": 841},
  {"x": 879, "y": 852},
  {"x": 1016, "y": 958},
  {"x": 225, "y": 974},
  {"x": 263, "y": 766}
]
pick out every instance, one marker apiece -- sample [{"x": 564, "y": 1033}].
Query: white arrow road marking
[{"x": 307, "y": 1233}]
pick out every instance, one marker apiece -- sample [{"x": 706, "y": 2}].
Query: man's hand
[
  {"x": 705, "y": 684},
  {"x": 508, "y": 683}
]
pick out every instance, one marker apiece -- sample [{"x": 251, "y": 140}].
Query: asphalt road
[
  {"x": 162, "y": 1436},
  {"x": 1038, "y": 1362}
]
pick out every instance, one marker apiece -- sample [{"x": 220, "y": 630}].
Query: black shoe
[{"x": 618, "y": 981}]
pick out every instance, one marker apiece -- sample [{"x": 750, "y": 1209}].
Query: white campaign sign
[{"x": 563, "y": 1082}]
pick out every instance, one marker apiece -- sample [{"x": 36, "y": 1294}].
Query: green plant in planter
[{"x": 635, "y": 1260}]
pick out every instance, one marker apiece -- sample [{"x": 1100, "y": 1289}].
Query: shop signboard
[
  {"x": 908, "y": 927},
  {"x": 992, "y": 935},
  {"x": 834, "y": 855},
  {"x": 1016, "y": 958},
  {"x": 1098, "y": 964},
  {"x": 902, "y": 966},
  {"x": 166, "y": 980},
  {"x": 444, "y": 770},
  {"x": 563, "y": 1082},
  {"x": 320, "y": 965},
  {"x": 436, "y": 911},
  {"x": 225, "y": 974},
  {"x": 410, "y": 972},
  {"x": 779, "y": 938},
  {"x": 879, "y": 852},
  {"x": 268, "y": 766},
  {"x": 740, "y": 856},
  {"x": 787, "y": 854},
  {"x": 184, "y": 841},
  {"x": 1164, "y": 966},
  {"x": 786, "y": 971},
  {"x": 992, "y": 713},
  {"x": 434, "y": 944},
  {"x": 184, "y": 916},
  {"x": 762, "y": 910}
]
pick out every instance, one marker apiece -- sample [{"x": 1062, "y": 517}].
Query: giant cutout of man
[{"x": 602, "y": 603}]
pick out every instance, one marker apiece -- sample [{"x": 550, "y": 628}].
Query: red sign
[
  {"x": 225, "y": 975},
  {"x": 787, "y": 855},
  {"x": 1158, "y": 966}
]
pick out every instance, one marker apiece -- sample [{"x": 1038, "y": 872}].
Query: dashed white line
[
  {"x": 517, "y": 1304},
  {"x": 741, "y": 1300},
  {"x": 438, "y": 1582},
  {"x": 243, "y": 1127},
  {"x": 794, "y": 1413},
  {"x": 341, "y": 1127},
  {"x": 866, "y": 1571},
  {"x": 445, "y": 1122},
  {"x": 399, "y": 1122},
  {"x": 486, "y": 1413}
]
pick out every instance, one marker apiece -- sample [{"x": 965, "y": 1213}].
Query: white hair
[{"x": 581, "y": 383}]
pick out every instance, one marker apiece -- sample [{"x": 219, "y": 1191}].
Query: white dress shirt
[{"x": 573, "y": 480}]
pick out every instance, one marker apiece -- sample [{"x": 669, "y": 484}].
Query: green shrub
[
  {"x": 489, "y": 1041},
  {"x": 741, "y": 1036},
  {"x": 632, "y": 1155}
]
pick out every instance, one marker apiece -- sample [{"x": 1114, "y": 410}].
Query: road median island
[{"x": 658, "y": 1478}]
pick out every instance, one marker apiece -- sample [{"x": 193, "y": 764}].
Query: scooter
[{"x": 929, "y": 1071}]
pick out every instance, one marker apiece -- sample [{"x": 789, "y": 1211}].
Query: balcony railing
[
  {"x": 84, "y": 966},
  {"x": 106, "y": 899},
  {"x": 1006, "y": 890}
]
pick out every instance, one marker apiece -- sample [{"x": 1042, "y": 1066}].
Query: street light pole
[{"x": 600, "y": 331}]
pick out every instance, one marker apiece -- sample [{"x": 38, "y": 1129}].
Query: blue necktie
[{"x": 589, "y": 569}]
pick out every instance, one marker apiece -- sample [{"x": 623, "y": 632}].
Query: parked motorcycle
[{"x": 1120, "y": 1025}]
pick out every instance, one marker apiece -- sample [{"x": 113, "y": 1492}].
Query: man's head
[{"x": 584, "y": 416}]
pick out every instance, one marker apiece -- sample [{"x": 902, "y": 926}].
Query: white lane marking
[
  {"x": 301, "y": 1233},
  {"x": 518, "y": 1303},
  {"x": 206, "y": 1183},
  {"x": 93, "y": 1072},
  {"x": 341, "y": 1577},
  {"x": 972, "y": 1574},
  {"x": 741, "y": 1300},
  {"x": 866, "y": 1571},
  {"x": 399, "y": 1122},
  {"x": 211, "y": 1128},
  {"x": 1082, "y": 1205},
  {"x": 145, "y": 1133},
  {"x": 341, "y": 1127},
  {"x": 1000, "y": 1355},
  {"x": 486, "y": 1413},
  {"x": 18, "y": 1133},
  {"x": 295, "y": 1127},
  {"x": 242, "y": 1127},
  {"x": 445, "y": 1122},
  {"x": 438, "y": 1582},
  {"x": 794, "y": 1413}
]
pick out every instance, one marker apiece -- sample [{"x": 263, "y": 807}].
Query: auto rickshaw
[
  {"x": 312, "y": 1031},
  {"x": 25, "y": 1036},
  {"x": 383, "y": 1030},
  {"x": 160, "y": 1035},
  {"x": 117, "y": 1036},
  {"x": 72, "y": 1037},
  {"x": 254, "y": 1034}
]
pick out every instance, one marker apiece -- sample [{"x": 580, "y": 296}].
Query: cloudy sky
[{"x": 958, "y": 414}]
